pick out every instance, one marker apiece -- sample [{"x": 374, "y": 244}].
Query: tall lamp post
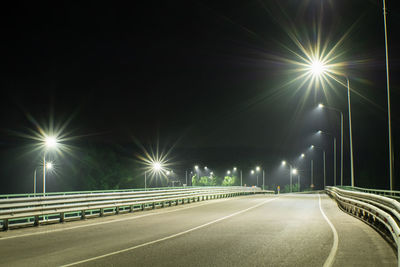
[
  {"x": 290, "y": 171},
  {"x": 323, "y": 158},
  {"x": 341, "y": 139},
  {"x": 50, "y": 142},
  {"x": 320, "y": 69},
  {"x": 334, "y": 154},
  {"x": 391, "y": 157}
]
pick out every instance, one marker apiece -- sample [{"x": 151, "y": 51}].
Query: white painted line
[
  {"x": 168, "y": 237},
  {"x": 113, "y": 221},
  {"x": 331, "y": 258}
]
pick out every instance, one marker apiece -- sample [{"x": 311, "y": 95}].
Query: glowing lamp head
[
  {"x": 252, "y": 171},
  {"x": 302, "y": 155},
  {"x": 294, "y": 171},
  {"x": 211, "y": 173},
  {"x": 234, "y": 169},
  {"x": 283, "y": 162},
  {"x": 312, "y": 146},
  {"x": 319, "y": 131},
  {"x": 257, "y": 168},
  {"x": 228, "y": 172},
  {"x": 168, "y": 172},
  {"x": 157, "y": 166},
  {"x": 49, "y": 165},
  {"x": 50, "y": 142},
  {"x": 317, "y": 67},
  {"x": 196, "y": 167},
  {"x": 320, "y": 105}
]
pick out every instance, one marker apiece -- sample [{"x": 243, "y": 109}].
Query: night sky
[{"x": 204, "y": 79}]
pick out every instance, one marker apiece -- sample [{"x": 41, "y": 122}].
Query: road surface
[{"x": 257, "y": 230}]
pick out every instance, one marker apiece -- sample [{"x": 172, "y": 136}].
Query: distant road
[{"x": 289, "y": 230}]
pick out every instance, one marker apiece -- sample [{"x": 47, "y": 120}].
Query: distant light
[
  {"x": 234, "y": 169},
  {"x": 205, "y": 167},
  {"x": 196, "y": 167},
  {"x": 294, "y": 171},
  {"x": 211, "y": 173},
  {"x": 319, "y": 131},
  {"x": 320, "y": 105},
  {"x": 283, "y": 162},
  {"x": 252, "y": 171},
  {"x": 257, "y": 168},
  {"x": 302, "y": 155},
  {"x": 312, "y": 146},
  {"x": 49, "y": 165},
  {"x": 228, "y": 172},
  {"x": 50, "y": 142},
  {"x": 168, "y": 172}
]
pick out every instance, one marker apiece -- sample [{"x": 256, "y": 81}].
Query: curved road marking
[
  {"x": 111, "y": 221},
  {"x": 167, "y": 237},
  {"x": 331, "y": 258}
]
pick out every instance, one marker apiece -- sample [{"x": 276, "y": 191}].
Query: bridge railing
[
  {"x": 381, "y": 192},
  {"x": 380, "y": 212},
  {"x": 23, "y": 211}
]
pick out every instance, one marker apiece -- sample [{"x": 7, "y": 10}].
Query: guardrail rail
[
  {"x": 380, "y": 212},
  {"x": 34, "y": 211}
]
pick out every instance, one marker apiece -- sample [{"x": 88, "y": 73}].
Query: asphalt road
[{"x": 291, "y": 230}]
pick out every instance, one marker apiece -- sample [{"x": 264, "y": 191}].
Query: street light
[
  {"x": 155, "y": 167},
  {"x": 284, "y": 163},
  {"x": 228, "y": 172},
  {"x": 334, "y": 152},
  {"x": 341, "y": 139},
  {"x": 50, "y": 142},
  {"x": 323, "y": 156}
]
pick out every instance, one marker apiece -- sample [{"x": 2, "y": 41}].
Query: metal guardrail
[
  {"x": 380, "y": 212},
  {"x": 387, "y": 193},
  {"x": 23, "y": 211}
]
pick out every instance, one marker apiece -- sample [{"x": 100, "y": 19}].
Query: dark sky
[{"x": 201, "y": 75}]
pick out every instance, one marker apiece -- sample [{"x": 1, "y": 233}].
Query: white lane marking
[
  {"x": 111, "y": 221},
  {"x": 167, "y": 237},
  {"x": 331, "y": 258}
]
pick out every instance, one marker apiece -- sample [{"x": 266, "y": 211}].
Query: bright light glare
[
  {"x": 320, "y": 105},
  {"x": 317, "y": 67},
  {"x": 283, "y": 162},
  {"x": 319, "y": 131},
  {"x": 50, "y": 142},
  {"x": 257, "y": 168},
  {"x": 234, "y": 169},
  {"x": 211, "y": 173},
  {"x": 294, "y": 171},
  {"x": 252, "y": 171},
  {"x": 196, "y": 167},
  {"x": 312, "y": 146},
  {"x": 205, "y": 168},
  {"x": 49, "y": 165},
  {"x": 168, "y": 172},
  {"x": 157, "y": 166},
  {"x": 302, "y": 155},
  {"x": 228, "y": 172}
]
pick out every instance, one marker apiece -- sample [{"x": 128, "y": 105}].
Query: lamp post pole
[
  {"x": 241, "y": 178},
  {"x": 388, "y": 100},
  {"x": 263, "y": 179},
  {"x": 312, "y": 174},
  {"x": 350, "y": 133},
  {"x": 44, "y": 174}
]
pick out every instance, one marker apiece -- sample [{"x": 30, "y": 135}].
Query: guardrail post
[
  {"x": 101, "y": 212},
  {"x": 83, "y": 215},
  {"x": 5, "y": 225},
  {"x": 117, "y": 210},
  {"x": 143, "y": 206},
  {"x": 154, "y": 205},
  {"x": 131, "y": 208},
  {"x": 62, "y": 217},
  {"x": 36, "y": 222}
]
